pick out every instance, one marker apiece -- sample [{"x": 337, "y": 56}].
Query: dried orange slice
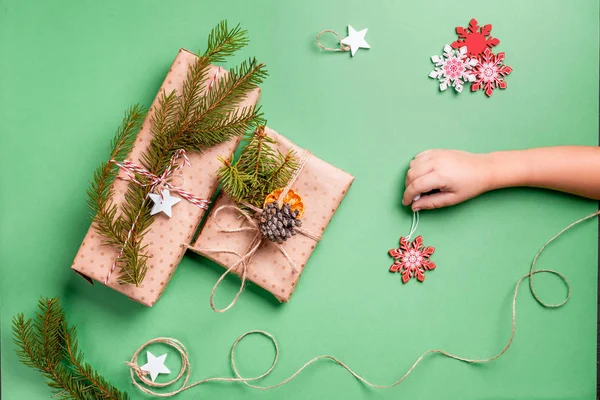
[{"x": 291, "y": 197}]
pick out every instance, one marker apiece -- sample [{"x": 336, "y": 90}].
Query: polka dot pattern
[
  {"x": 322, "y": 187},
  {"x": 168, "y": 237}
]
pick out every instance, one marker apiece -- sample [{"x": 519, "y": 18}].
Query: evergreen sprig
[
  {"x": 193, "y": 120},
  {"x": 48, "y": 344},
  {"x": 259, "y": 170},
  {"x": 101, "y": 191}
]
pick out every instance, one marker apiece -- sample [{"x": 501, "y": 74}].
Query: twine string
[
  {"x": 244, "y": 259},
  {"x": 342, "y": 47},
  {"x": 186, "y": 368}
]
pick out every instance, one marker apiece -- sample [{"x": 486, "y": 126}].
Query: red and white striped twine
[
  {"x": 214, "y": 78},
  {"x": 132, "y": 170}
]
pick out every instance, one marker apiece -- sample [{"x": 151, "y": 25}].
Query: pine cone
[{"x": 278, "y": 224}]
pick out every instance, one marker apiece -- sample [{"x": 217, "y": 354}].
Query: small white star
[
  {"x": 356, "y": 40},
  {"x": 155, "y": 365},
  {"x": 163, "y": 203}
]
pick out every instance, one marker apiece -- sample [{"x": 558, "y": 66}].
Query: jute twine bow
[
  {"x": 186, "y": 368},
  {"x": 156, "y": 183},
  {"x": 245, "y": 258},
  {"x": 342, "y": 47}
]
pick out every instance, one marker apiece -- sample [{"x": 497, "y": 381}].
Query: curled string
[
  {"x": 342, "y": 47},
  {"x": 186, "y": 368},
  {"x": 245, "y": 258}
]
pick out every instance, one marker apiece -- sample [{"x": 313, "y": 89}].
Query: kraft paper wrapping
[
  {"x": 167, "y": 238},
  {"x": 322, "y": 188}
]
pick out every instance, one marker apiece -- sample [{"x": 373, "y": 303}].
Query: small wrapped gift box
[
  {"x": 231, "y": 237},
  {"x": 167, "y": 238}
]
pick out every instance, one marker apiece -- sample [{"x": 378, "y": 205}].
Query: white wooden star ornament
[
  {"x": 356, "y": 40},
  {"x": 163, "y": 203},
  {"x": 155, "y": 365}
]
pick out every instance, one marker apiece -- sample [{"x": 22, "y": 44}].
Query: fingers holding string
[
  {"x": 420, "y": 185},
  {"x": 434, "y": 200}
]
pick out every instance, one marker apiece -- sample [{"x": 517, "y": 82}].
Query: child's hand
[{"x": 458, "y": 175}]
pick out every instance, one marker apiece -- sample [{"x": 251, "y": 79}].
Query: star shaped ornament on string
[
  {"x": 155, "y": 365},
  {"x": 354, "y": 41},
  {"x": 163, "y": 202}
]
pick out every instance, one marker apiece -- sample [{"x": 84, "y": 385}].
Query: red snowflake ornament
[
  {"x": 412, "y": 259},
  {"x": 490, "y": 72},
  {"x": 476, "y": 38}
]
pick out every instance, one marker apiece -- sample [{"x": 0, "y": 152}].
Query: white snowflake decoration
[{"x": 453, "y": 68}]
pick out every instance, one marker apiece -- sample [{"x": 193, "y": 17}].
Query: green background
[{"x": 68, "y": 71}]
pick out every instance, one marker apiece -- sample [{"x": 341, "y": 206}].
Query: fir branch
[
  {"x": 83, "y": 372},
  {"x": 210, "y": 132},
  {"x": 193, "y": 88},
  {"x": 258, "y": 154},
  {"x": 281, "y": 175},
  {"x": 49, "y": 345},
  {"x": 27, "y": 346},
  {"x": 223, "y": 43},
  {"x": 233, "y": 183},
  {"x": 47, "y": 329},
  {"x": 219, "y": 103},
  {"x": 259, "y": 170},
  {"x": 165, "y": 115},
  {"x": 101, "y": 191},
  {"x": 30, "y": 353},
  {"x": 232, "y": 89},
  {"x": 137, "y": 219}
]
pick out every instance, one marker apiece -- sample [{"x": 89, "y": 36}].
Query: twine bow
[
  {"x": 257, "y": 240},
  {"x": 132, "y": 170}
]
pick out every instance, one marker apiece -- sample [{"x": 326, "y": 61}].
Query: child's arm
[{"x": 459, "y": 175}]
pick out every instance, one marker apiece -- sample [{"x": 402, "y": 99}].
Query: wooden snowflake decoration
[
  {"x": 475, "y": 38},
  {"x": 490, "y": 72},
  {"x": 412, "y": 259},
  {"x": 453, "y": 68}
]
